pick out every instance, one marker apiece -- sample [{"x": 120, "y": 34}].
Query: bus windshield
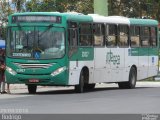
[{"x": 36, "y": 42}]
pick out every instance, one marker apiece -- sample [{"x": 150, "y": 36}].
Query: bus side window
[
  {"x": 145, "y": 36},
  {"x": 123, "y": 35},
  {"x": 134, "y": 36},
  {"x": 72, "y": 37},
  {"x": 153, "y": 36},
  {"x": 85, "y": 31},
  {"x": 72, "y": 34},
  {"x": 111, "y": 35},
  {"x": 99, "y": 32}
]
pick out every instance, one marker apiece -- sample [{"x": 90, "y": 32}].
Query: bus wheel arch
[{"x": 83, "y": 80}]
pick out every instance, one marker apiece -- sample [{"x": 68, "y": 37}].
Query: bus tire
[
  {"x": 32, "y": 89},
  {"x": 131, "y": 83},
  {"x": 89, "y": 86},
  {"x": 80, "y": 87},
  {"x": 132, "y": 78}
]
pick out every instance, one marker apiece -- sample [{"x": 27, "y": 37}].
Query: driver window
[
  {"x": 72, "y": 37},
  {"x": 72, "y": 34}
]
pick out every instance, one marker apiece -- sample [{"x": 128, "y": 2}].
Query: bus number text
[{"x": 85, "y": 54}]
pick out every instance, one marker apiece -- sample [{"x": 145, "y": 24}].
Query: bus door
[{"x": 72, "y": 51}]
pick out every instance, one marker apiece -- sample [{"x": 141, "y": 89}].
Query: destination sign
[{"x": 36, "y": 18}]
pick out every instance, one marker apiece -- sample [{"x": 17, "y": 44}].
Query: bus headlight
[
  {"x": 58, "y": 71},
  {"x": 10, "y": 70}
]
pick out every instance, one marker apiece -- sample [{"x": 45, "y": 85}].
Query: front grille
[{"x": 35, "y": 66}]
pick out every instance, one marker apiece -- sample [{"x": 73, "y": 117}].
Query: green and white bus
[{"x": 72, "y": 49}]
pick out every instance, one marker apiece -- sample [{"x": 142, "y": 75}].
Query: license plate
[{"x": 33, "y": 81}]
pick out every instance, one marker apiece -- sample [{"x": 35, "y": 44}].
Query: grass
[{"x": 150, "y": 79}]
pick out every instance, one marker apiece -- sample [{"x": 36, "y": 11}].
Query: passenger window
[
  {"x": 85, "y": 31},
  {"x": 98, "y": 30},
  {"x": 135, "y": 37},
  {"x": 72, "y": 34},
  {"x": 72, "y": 38},
  {"x": 111, "y": 35},
  {"x": 145, "y": 36},
  {"x": 153, "y": 36},
  {"x": 123, "y": 36}
]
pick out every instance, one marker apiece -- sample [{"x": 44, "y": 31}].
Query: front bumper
[{"x": 60, "y": 79}]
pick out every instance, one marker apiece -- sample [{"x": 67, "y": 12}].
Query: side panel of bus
[
  {"x": 147, "y": 47},
  {"x": 102, "y": 68},
  {"x": 117, "y": 64},
  {"x": 153, "y": 62},
  {"x": 143, "y": 63},
  {"x": 131, "y": 59}
]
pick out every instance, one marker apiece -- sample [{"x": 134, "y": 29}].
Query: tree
[
  {"x": 135, "y": 8},
  {"x": 85, "y": 6},
  {"x": 5, "y": 10},
  {"x": 19, "y": 4}
]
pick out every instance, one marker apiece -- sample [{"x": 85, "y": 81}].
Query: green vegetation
[
  {"x": 129, "y": 8},
  {"x": 151, "y": 79}
]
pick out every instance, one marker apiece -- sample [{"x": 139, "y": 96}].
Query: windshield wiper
[
  {"x": 39, "y": 36},
  {"x": 49, "y": 27}
]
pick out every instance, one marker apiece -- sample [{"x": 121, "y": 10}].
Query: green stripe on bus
[
  {"x": 83, "y": 54},
  {"x": 143, "y": 52}
]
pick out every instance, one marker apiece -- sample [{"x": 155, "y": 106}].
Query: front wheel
[
  {"x": 89, "y": 86},
  {"x": 32, "y": 89},
  {"x": 80, "y": 87}
]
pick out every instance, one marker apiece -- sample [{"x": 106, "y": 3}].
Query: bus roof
[
  {"x": 79, "y": 17},
  {"x": 122, "y": 20},
  {"x": 110, "y": 19},
  {"x": 134, "y": 21}
]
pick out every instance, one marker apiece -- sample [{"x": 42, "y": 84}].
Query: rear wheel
[
  {"x": 80, "y": 87},
  {"x": 131, "y": 83},
  {"x": 32, "y": 89}
]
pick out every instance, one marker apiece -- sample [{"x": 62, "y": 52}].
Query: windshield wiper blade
[{"x": 49, "y": 27}]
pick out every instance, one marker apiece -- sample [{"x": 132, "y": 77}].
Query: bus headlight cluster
[
  {"x": 10, "y": 70},
  {"x": 58, "y": 71}
]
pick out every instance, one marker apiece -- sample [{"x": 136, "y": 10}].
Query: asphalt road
[{"x": 102, "y": 100}]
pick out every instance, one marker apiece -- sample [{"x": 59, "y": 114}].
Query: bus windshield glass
[{"x": 36, "y": 42}]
